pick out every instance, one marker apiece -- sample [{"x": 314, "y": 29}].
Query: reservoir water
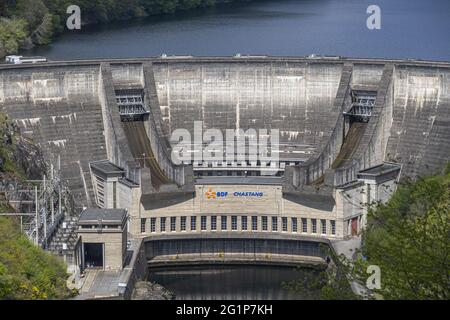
[
  {"x": 409, "y": 29},
  {"x": 230, "y": 282}
]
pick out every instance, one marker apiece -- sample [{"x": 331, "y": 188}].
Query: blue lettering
[{"x": 248, "y": 194}]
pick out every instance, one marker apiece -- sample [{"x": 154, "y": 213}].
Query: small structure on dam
[
  {"x": 348, "y": 131},
  {"x": 102, "y": 235}
]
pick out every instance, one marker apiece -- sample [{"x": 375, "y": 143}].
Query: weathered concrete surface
[
  {"x": 59, "y": 108},
  {"x": 64, "y": 105},
  {"x": 296, "y": 98},
  {"x": 420, "y": 135},
  {"x": 328, "y": 151}
]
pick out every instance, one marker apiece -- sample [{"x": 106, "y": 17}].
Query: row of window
[{"x": 247, "y": 224}]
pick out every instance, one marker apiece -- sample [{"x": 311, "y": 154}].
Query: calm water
[
  {"x": 237, "y": 283},
  {"x": 410, "y": 29}
]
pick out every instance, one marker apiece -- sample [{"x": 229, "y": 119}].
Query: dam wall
[
  {"x": 322, "y": 160},
  {"x": 158, "y": 140},
  {"x": 69, "y": 109},
  {"x": 60, "y": 109},
  {"x": 147, "y": 144},
  {"x": 295, "y": 97},
  {"x": 118, "y": 147},
  {"x": 420, "y": 135},
  {"x": 370, "y": 150}
]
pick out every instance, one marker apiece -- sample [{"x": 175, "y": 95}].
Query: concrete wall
[
  {"x": 296, "y": 98},
  {"x": 59, "y": 108},
  {"x": 114, "y": 246},
  {"x": 270, "y": 204},
  {"x": 371, "y": 149},
  {"x": 420, "y": 135},
  {"x": 128, "y": 75},
  {"x": 67, "y": 107}
]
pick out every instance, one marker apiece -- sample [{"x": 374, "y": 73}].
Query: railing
[
  {"x": 51, "y": 232},
  {"x": 131, "y": 105}
]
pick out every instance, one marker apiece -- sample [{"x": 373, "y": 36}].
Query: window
[
  {"x": 254, "y": 223},
  {"x": 203, "y": 223},
  {"x": 152, "y": 224},
  {"x": 244, "y": 223},
  {"x": 304, "y": 225},
  {"x": 223, "y": 222},
  {"x": 333, "y": 227},
  {"x": 183, "y": 224},
  {"x": 264, "y": 223},
  {"x": 233, "y": 223},
  {"x": 284, "y": 224},
  {"x": 115, "y": 197},
  {"x": 193, "y": 223},
  {"x": 213, "y": 223},
  {"x": 274, "y": 223},
  {"x": 294, "y": 225},
  {"x": 314, "y": 225},
  {"x": 173, "y": 224},
  {"x": 143, "y": 220},
  {"x": 323, "y": 224},
  {"x": 162, "y": 226}
]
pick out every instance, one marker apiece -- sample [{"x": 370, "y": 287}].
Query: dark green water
[
  {"x": 409, "y": 29},
  {"x": 230, "y": 282}
]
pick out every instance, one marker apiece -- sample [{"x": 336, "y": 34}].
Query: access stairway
[{"x": 64, "y": 241}]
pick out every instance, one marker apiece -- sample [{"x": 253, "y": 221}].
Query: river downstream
[{"x": 230, "y": 282}]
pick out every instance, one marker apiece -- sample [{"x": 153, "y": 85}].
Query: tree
[
  {"x": 409, "y": 239},
  {"x": 26, "y": 271},
  {"x": 12, "y": 32}
]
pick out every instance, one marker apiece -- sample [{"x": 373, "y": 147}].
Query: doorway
[
  {"x": 93, "y": 255},
  {"x": 354, "y": 227}
]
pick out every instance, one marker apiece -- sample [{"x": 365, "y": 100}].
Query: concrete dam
[{"x": 349, "y": 130}]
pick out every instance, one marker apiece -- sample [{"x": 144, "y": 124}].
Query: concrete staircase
[{"x": 64, "y": 241}]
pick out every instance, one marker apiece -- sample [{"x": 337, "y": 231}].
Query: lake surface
[
  {"x": 226, "y": 282},
  {"x": 410, "y": 29}
]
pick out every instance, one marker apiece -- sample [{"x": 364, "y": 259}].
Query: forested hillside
[{"x": 25, "y": 23}]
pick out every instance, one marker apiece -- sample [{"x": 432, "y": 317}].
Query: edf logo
[{"x": 210, "y": 194}]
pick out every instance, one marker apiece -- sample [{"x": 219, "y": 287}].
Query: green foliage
[
  {"x": 32, "y": 11},
  {"x": 26, "y": 271},
  {"x": 329, "y": 284},
  {"x": 12, "y": 32},
  {"x": 7, "y": 141},
  {"x": 409, "y": 239}
]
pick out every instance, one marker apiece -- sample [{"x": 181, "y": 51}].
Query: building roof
[
  {"x": 128, "y": 183},
  {"x": 240, "y": 180},
  {"x": 110, "y": 216},
  {"x": 107, "y": 168},
  {"x": 315, "y": 201},
  {"x": 380, "y": 169}
]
